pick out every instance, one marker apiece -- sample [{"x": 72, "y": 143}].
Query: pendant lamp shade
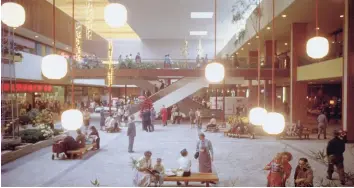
[
  {"x": 257, "y": 116},
  {"x": 54, "y": 66},
  {"x": 115, "y": 15},
  {"x": 72, "y": 119},
  {"x": 317, "y": 47},
  {"x": 274, "y": 123},
  {"x": 13, "y": 14},
  {"x": 214, "y": 72}
]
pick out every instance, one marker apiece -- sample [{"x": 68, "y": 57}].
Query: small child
[
  {"x": 276, "y": 172},
  {"x": 161, "y": 171}
]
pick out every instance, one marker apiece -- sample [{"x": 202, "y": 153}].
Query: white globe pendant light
[
  {"x": 257, "y": 116},
  {"x": 214, "y": 72},
  {"x": 115, "y": 15},
  {"x": 13, "y": 14},
  {"x": 54, "y": 66},
  {"x": 72, "y": 119},
  {"x": 274, "y": 123},
  {"x": 317, "y": 47}
]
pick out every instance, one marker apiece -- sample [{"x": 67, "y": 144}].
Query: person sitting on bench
[
  {"x": 185, "y": 164},
  {"x": 70, "y": 143},
  {"x": 96, "y": 137},
  {"x": 212, "y": 123}
]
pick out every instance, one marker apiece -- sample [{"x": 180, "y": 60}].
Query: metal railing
[{"x": 239, "y": 63}]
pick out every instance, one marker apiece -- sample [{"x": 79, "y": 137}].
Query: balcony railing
[{"x": 240, "y": 63}]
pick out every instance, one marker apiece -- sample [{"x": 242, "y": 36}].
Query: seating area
[
  {"x": 195, "y": 177},
  {"x": 80, "y": 152}
]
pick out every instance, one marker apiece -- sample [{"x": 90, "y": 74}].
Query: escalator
[
  {"x": 176, "y": 93},
  {"x": 164, "y": 92}
]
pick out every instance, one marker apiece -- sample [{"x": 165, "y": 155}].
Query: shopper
[
  {"x": 131, "y": 133},
  {"x": 335, "y": 150}
]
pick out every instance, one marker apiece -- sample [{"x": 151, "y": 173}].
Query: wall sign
[{"x": 26, "y": 88}]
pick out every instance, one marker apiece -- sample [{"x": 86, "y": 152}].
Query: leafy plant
[
  {"x": 44, "y": 117},
  {"x": 327, "y": 183},
  {"x": 320, "y": 156},
  {"x": 134, "y": 163},
  {"x": 95, "y": 183}
]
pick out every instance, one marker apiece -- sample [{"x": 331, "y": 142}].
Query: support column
[
  {"x": 252, "y": 94},
  {"x": 298, "y": 90},
  {"x": 269, "y": 52},
  {"x": 348, "y": 71}
]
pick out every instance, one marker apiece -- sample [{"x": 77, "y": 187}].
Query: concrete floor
[{"x": 238, "y": 162}]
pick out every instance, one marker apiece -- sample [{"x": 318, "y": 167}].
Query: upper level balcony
[{"x": 238, "y": 67}]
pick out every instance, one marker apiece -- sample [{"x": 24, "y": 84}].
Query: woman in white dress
[{"x": 143, "y": 178}]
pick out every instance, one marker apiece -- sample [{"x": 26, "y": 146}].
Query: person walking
[
  {"x": 131, "y": 133},
  {"x": 164, "y": 115},
  {"x": 335, "y": 150},
  {"x": 198, "y": 118},
  {"x": 146, "y": 117},
  {"x": 205, "y": 154},
  {"x": 322, "y": 125},
  {"x": 191, "y": 117},
  {"x": 153, "y": 117},
  {"x": 102, "y": 120}
]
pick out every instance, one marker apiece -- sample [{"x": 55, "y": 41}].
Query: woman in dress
[
  {"x": 286, "y": 157},
  {"x": 303, "y": 174},
  {"x": 205, "y": 150},
  {"x": 143, "y": 178},
  {"x": 164, "y": 115},
  {"x": 276, "y": 172}
]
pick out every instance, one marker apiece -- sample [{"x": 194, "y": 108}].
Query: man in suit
[{"x": 131, "y": 133}]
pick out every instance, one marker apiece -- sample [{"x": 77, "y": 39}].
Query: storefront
[{"x": 30, "y": 92}]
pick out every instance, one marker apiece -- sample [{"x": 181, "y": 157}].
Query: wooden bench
[
  {"x": 195, "y": 177},
  {"x": 81, "y": 151}
]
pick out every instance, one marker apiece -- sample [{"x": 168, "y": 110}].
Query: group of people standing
[
  {"x": 148, "y": 117},
  {"x": 280, "y": 169}
]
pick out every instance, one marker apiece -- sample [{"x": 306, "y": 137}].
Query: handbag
[{"x": 196, "y": 155}]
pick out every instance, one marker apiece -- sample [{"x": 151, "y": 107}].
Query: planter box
[{"x": 27, "y": 149}]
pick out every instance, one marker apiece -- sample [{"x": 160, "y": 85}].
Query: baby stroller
[{"x": 57, "y": 148}]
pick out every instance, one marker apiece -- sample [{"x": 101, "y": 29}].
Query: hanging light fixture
[
  {"x": 215, "y": 72},
  {"x": 257, "y": 115},
  {"x": 274, "y": 123},
  {"x": 115, "y": 15},
  {"x": 72, "y": 119},
  {"x": 13, "y": 14},
  {"x": 54, "y": 66},
  {"x": 317, "y": 47}
]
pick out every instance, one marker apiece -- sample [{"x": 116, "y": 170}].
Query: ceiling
[
  {"x": 158, "y": 19},
  {"x": 99, "y": 26},
  {"x": 170, "y": 19},
  {"x": 303, "y": 11}
]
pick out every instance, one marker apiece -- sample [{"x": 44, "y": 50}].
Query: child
[
  {"x": 276, "y": 172},
  {"x": 185, "y": 164},
  {"x": 161, "y": 171}
]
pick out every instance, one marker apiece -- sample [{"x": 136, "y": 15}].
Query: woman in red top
[
  {"x": 286, "y": 157},
  {"x": 164, "y": 115}
]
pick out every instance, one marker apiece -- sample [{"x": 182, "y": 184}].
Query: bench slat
[{"x": 195, "y": 177}]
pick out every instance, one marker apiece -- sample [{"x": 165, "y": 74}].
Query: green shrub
[{"x": 36, "y": 135}]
